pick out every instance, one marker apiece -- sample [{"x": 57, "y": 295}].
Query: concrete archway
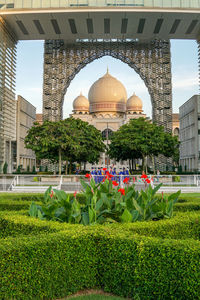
[{"x": 151, "y": 61}]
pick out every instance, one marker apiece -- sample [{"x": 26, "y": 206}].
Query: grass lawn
[{"x": 95, "y": 297}]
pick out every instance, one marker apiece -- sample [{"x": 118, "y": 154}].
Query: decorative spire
[{"x": 107, "y": 70}]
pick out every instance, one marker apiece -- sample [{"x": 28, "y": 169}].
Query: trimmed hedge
[
  {"x": 181, "y": 226},
  {"x": 146, "y": 260},
  {"x": 58, "y": 264},
  {"x": 33, "y": 197}
]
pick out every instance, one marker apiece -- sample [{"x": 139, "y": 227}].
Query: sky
[{"x": 29, "y": 76}]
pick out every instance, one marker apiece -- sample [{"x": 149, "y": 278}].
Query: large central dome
[{"x": 107, "y": 94}]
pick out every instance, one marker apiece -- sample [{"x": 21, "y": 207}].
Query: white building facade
[{"x": 189, "y": 117}]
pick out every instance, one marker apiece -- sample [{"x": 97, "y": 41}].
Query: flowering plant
[{"x": 105, "y": 203}]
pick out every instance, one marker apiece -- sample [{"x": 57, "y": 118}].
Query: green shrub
[
  {"x": 14, "y": 205},
  {"x": 5, "y": 168},
  {"x": 105, "y": 204},
  {"x": 21, "y": 197},
  {"x": 48, "y": 266}
]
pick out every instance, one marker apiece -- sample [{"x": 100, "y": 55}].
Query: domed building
[{"x": 107, "y": 107}]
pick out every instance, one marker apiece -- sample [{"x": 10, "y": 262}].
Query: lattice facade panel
[
  {"x": 7, "y": 88},
  {"x": 152, "y": 61}
]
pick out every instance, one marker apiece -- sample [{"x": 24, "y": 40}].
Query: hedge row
[
  {"x": 58, "y": 264},
  {"x": 182, "y": 226},
  {"x": 33, "y": 197}
]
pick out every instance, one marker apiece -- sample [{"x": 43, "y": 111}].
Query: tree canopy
[
  {"x": 141, "y": 138},
  {"x": 71, "y": 139}
]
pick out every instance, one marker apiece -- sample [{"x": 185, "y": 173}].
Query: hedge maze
[{"x": 142, "y": 260}]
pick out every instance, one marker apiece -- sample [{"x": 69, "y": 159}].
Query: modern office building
[
  {"x": 26, "y": 116},
  {"x": 189, "y": 117},
  {"x": 8, "y": 131}
]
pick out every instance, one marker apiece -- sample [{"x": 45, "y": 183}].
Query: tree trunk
[
  {"x": 66, "y": 169},
  {"x": 143, "y": 163},
  {"x": 70, "y": 168},
  {"x": 60, "y": 161},
  {"x": 146, "y": 163},
  {"x": 153, "y": 162}
]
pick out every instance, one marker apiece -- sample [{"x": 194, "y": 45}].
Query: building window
[{"x": 107, "y": 133}]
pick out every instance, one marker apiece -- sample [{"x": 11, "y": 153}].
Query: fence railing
[{"x": 72, "y": 182}]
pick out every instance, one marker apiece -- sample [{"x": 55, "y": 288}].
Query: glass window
[
  {"x": 36, "y": 3},
  {"x": 167, "y": 3},
  {"x": 27, "y": 3},
  {"x": 176, "y": 3},
  {"x": 158, "y": 3},
  {"x": 106, "y": 134},
  {"x": 148, "y": 3}
]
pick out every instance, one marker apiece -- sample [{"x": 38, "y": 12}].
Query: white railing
[{"x": 72, "y": 182}]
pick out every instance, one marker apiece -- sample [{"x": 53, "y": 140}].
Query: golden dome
[
  {"x": 107, "y": 94},
  {"x": 81, "y": 103},
  {"x": 134, "y": 103}
]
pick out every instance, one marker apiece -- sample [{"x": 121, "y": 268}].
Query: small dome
[
  {"x": 134, "y": 103},
  {"x": 107, "y": 94},
  {"x": 81, "y": 103}
]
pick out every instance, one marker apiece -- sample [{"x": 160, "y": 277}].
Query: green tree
[
  {"x": 5, "y": 168},
  {"x": 70, "y": 139},
  {"x": 140, "y": 138}
]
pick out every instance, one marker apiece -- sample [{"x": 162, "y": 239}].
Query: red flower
[
  {"x": 104, "y": 180},
  {"x": 51, "y": 195},
  {"x": 122, "y": 191},
  {"x": 104, "y": 169},
  {"x": 144, "y": 176},
  {"x": 148, "y": 181},
  {"x": 88, "y": 175},
  {"x": 75, "y": 194},
  {"x": 126, "y": 180},
  {"x": 115, "y": 183},
  {"x": 133, "y": 179}
]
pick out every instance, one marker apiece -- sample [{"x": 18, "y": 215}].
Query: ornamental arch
[{"x": 151, "y": 61}]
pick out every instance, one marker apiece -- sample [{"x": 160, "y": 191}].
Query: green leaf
[
  {"x": 99, "y": 204},
  {"x": 126, "y": 216},
  {"x": 91, "y": 215},
  {"x": 85, "y": 218},
  {"x": 135, "y": 215}
]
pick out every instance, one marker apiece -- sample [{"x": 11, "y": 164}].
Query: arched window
[
  {"x": 176, "y": 131},
  {"x": 106, "y": 134}
]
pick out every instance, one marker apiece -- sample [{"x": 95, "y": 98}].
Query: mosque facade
[{"x": 107, "y": 108}]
